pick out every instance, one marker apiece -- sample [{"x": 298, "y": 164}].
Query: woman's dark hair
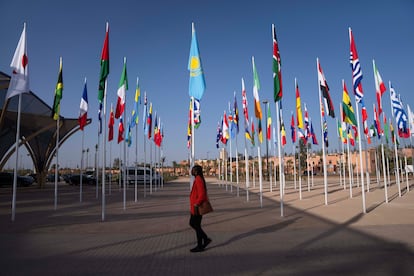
[{"x": 198, "y": 170}]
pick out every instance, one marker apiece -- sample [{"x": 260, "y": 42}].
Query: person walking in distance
[{"x": 197, "y": 196}]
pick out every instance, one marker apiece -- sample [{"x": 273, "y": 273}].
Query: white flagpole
[
  {"x": 384, "y": 173},
  {"x": 406, "y": 172},
  {"x": 282, "y": 186},
  {"x": 231, "y": 156},
  {"x": 145, "y": 164},
  {"x": 294, "y": 164},
  {"x": 192, "y": 155},
  {"x": 17, "y": 157},
  {"x": 360, "y": 162},
  {"x": 104, "y": 148},
  {"x": 325, "y": 177},
  {"x": 237, "y": 167},
  {"x": 349, "y": 168},
  {"x": 339, "y": 148},
  {"x": 81, "y": 169},
  {"x": 57, "y": 158},
  {"x": 397, "y": 175},
  {"x": 136, "y": 157},
  {"x": 260, "y": 175},
  {"x": 246, "y": 166}
]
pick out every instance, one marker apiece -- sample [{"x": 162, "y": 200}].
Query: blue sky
[{"x": 155, "y": 38}]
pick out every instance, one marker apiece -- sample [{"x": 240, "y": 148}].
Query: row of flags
[{"x": 305, "y": 127}]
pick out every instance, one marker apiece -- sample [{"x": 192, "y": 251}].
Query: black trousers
[{"x": 195, "y": 223}]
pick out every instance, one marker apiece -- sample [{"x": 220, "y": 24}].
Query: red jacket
[{"x": 198, "y": 193}]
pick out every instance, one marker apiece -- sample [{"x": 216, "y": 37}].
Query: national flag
[
  {"x": 135, "y": 116},
  {"x": 104, "y": 72},
  {"x": 253, "y": 133},
  {"x": 364, "y": 119},
  {"x": 377, "y": 123},
  {"x": 149, "y": 121},
  {"x": 219, "y": 134},
  {"x": 293, "y": 129},
  {"x": 122, "y": 88},
  {"x": 197, "y": 113},
  {"x": 298, "y": 109},
  {"x": 386, "y": 131},
  {"x": 373, "y": 131},
  {"x": 189, "y": 130},
  {"x": 145, "y": 115},
  {"x": 302, "y": 136},
  {"x": 356, "y": 69},
  {"x": 393, "y": 137},
  {"x": 355, "y": 129},
  {"x": 277, "y": 72},
  {"x": 104, "y": 66},
  {"x": 225, "y": 129},
  {"x": 157, "y": 132},
  {"x": 128, "y": 135},
  {"x": 283, "y": 134},
  {"x": 19, "y": 81},
  {"x": 121, "y": 131},
  {"x": 256, "y": 87},
  {"x": 340, "y": 132},
  {"x": 58, "y": 94},
  {"x": 244, "y": 103},
  {"x": 269, "y": 123},
  {"x": 325, "y": 132},
  {"x": 111, "y": 125},
  {"x": 379, "y": 87},
  {"x": 313, "y": 135},
  {"x": 197, "y": 84},
  {"x": 260, "y": 131},
  {"x": 400, "y": 115},
  {"x": 235, "y": 125},
  {"x": 350, "y": 137},
  {"x": 348, "y": 115},
  {"x": 410, "y": 120},
  {"x": 83, "y": 112},
  {"x": 306, "y": 120},
  {"x": 325, "y": 92}
]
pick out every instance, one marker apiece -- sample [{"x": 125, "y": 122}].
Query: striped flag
[
  {"x": 348, "y": 115},
  {"x": 256, "y": 87},
  {"x": 325, "y": 92},
  {"x": 121, "y": 131},
  {"x": 269, "y": 124},
  {"x": 356, "y": 69},
  {"x": 111, "y": 125},
  {"x": 298, "y": 108},
  {"x": 293, "y": 129},
  {"x": 83, "y": 112},
  {"x": 135, "y": 116},
  {"x": 400, "y": 115},
  {"x": 379, "y": 87},
  {"x": 122, "y": 88}
]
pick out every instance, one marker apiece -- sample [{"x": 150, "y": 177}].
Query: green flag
[{"x": 58, "y": 94}]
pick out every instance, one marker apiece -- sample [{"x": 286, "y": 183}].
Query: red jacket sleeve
[{"x": 198, "y": 193}]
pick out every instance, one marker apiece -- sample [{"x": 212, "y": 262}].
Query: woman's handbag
[{"x": 205, "y": 208}]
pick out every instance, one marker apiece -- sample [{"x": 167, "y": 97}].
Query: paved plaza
[{"x": 152, "y": 236}]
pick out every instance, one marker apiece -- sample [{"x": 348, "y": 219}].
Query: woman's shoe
[
  {"x": 197, "y": 249},
  {"x": 207, "y": 242}
]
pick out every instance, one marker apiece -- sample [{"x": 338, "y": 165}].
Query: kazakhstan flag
[{"x": 197, "y": 84}]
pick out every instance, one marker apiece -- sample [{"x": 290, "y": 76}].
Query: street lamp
[{"x": 266, "y": 102}]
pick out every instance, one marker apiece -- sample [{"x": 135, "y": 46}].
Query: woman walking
[{"x": 197, "y": 196}]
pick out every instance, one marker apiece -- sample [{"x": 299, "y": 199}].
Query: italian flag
[{"x": 122, "y": 88}]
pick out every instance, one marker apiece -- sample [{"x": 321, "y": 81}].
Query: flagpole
[
  {"x": 104, "y": 147},
  {"x": 260, "y": 175},
  {"x": 294, "y": 164},
  {"x": 81, "y": 169},
  {"x": 57, "y": 156},
  {"x": 192, "y": 154},
  {"x": 136, "y": 159},
  {"x": 325, "y": 177},
  {"x": 280, "y": 158},
  {"x": 384, "y": 172},
  {"x": 17, "y": 156},
  {"x": 339, "y": 148},
  {"x": 397, "y": 175},
  {"x": 360, "y": 162},
  {"x": 349, "y": 167},
  {"x": 246, "y": 165}
]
